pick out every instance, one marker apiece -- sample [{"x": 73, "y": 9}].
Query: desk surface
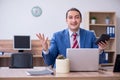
[
  {"x": 9, "y": 55},
  {"x": 20, "y": 74}
]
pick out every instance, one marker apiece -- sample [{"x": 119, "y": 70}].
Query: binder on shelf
[
  {"x": 103, "y": 58},
  {"x": 111, "y": 31}
]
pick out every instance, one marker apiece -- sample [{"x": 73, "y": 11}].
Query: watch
[{"x": 36, "y": 11}]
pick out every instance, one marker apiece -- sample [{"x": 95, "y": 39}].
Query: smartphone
[{"x": 103, "y": 38}]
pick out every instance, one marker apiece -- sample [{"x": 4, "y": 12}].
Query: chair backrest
[
  {"x": 21, "y": 60},
  {"x": 117, "y": 64}
]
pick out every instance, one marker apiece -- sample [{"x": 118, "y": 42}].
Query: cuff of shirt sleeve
[
  {"x": 45, "y": 52},
  {"x": 101, "y": 51}
]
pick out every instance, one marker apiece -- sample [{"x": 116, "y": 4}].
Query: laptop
[{"x": 83, "y": 59}]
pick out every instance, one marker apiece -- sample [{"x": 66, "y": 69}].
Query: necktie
[{"x": 75, "y": 42}]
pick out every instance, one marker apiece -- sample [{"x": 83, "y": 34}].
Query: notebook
[
  {"x": 83, "y": 59},
  {"x": 40, "y": 72}
]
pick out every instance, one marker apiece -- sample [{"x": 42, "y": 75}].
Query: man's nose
[{"x": 74, "y": 19}]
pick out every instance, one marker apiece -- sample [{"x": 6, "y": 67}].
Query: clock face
[{"x": 36, "y": 11}]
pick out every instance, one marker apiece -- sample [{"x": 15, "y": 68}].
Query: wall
[{"x": 16, "y": 17}]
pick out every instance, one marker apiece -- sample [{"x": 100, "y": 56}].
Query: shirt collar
[{"x": 70, "y": 32}]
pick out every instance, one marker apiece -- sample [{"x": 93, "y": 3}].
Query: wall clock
[{"x": 36, "y": 11}]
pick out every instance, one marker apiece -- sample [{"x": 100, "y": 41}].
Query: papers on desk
[{"x": 40, "y": 72}]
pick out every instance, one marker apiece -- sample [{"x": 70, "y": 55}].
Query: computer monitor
[{"x": 21, "y": 42}]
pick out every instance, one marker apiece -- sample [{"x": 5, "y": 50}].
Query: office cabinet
[
  {"x": 6, "y": 46},
  {"x": 105, "y": 23}
]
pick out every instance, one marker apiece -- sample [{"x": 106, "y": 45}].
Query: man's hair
[{"x": 74, "y": 9}]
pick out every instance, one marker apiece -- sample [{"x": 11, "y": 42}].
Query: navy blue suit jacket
[{"x": 61, "y": 41}]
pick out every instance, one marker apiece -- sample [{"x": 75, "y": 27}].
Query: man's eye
[
  {"x": 70, "y": 17},
  {"x": 77, "y": 17}
]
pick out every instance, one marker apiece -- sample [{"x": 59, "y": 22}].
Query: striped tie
[{"x": 75, "y": 42}]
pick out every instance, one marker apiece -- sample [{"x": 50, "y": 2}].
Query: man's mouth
[{"x": 74, "y": 24}]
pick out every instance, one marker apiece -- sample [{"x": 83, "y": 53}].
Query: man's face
[{"x": 73, "y": 20}]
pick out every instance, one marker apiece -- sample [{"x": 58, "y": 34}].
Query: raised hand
[{"x": 43, "y": 41}]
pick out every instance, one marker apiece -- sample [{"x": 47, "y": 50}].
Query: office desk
[{"x": 20, "y": 74}]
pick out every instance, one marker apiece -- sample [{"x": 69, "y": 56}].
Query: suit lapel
[
  {"x": 66, "y": 39},
  {"x": 82, "y": 38}
]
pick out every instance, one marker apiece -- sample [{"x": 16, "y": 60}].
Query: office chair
[
  {"x": 21, "y": 60},
  {"x": 117, "y": 64}
]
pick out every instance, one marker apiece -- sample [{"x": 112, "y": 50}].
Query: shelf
[
  {"x": 103, "y": 26},
  {"x": 37, "y": 56},
  {"x": 111, "y": 38},
  {"x": 107, "y": 64},
  {"x": 8, "y": 56},
  {"x": 110, "y": 51}
]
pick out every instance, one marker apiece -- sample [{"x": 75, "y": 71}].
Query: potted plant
[
  {"x": 93, "y": 20},
  {"x": 62, "y": 64},
  {"x": 107, "y": 20}
]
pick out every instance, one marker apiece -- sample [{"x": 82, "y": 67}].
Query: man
[{"x": 64, "y": 39}]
